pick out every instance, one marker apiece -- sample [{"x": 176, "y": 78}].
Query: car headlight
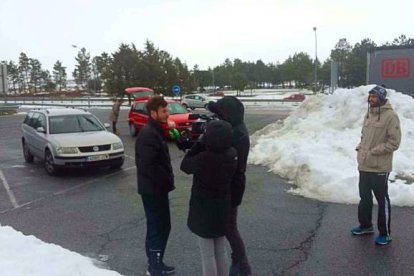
[
  {"x": 117, "y": 146},
  {"x": 67, "y": 150}
]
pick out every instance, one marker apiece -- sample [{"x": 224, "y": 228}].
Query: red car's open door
[{"x": 139, "y": 93}]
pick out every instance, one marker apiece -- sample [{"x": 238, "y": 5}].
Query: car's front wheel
[
  {"x": 28, "y": 157},
  {"x": 132, "y": 130},
  {"x": 185, "y": 106},
  {"x": 50, "y": 166},
  {"x": 117, "y": 166}
]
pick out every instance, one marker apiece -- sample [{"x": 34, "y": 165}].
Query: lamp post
[{"x": 316, "y": 59}]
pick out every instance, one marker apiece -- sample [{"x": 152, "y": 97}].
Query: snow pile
[
  {"x": 315, "y": 147},
  {"x": 22, "y": 255}
]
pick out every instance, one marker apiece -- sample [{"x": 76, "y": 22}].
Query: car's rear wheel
[
  {"x": 185, "y": 106},
  {"x": 50, "y": 166},
  {"x": 28, "y": 157},
  {"x": 132, "y": 130}
]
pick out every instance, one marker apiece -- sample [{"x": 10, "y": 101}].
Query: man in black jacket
[
  {"x": 155, "y": 181},
  {"x": 230, "y": 109}
]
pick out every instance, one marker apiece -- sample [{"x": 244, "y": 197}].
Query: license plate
[{"x": 97, "y": 157}]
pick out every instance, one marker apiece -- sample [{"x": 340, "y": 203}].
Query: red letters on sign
[{"x": 395, "y": 68}]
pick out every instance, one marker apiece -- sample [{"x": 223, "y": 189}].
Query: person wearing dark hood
[
  {"x": 155, "y": 181},
  {"x": 381, "y": 136},
  {"x": 231, "y": 109},
  {"x": 213, "y": 166}
]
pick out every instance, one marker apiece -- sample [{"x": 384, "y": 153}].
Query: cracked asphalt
[{"x": 99, "y": 214}]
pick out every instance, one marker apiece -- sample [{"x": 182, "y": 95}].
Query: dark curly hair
[{"x": 155, "y": 103}]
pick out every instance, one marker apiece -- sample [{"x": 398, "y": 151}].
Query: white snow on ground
[
  {"x": 315, "y": 147},
  {"x": 22, "y": 255}
]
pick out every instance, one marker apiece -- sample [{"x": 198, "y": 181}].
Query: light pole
[{"x": 316, "y": 59}]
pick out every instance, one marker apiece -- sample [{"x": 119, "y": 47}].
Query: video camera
[{"x": 188, "y": 138}]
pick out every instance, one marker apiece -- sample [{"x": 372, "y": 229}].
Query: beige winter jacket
[
  {"x": 381, "y": 136},
  {"x": 115, "y": 111}
]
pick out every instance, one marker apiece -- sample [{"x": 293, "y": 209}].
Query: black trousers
[
  {"x": 157, "y": 212},
  {"x": 114, "y": 126},
  {"x": 376, "y": 183},
  {"x": 238, "y": 254}
]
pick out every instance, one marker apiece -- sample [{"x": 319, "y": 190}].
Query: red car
[
  {"x": 295, "y": 97},
  {"x": 179, "y": 117},
  {"x": 217, "y": 94}
]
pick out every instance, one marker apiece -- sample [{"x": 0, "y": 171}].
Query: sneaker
[
  {"x": 362, "y": 231},
  {"x": 383, "y": 239}
]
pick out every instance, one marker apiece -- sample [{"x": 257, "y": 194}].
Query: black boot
[
  {"x": 156, "y": 266},
  {"x": 234, "y": 270}
]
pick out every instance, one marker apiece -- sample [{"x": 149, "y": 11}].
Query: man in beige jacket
[
  {"x": 117, "y": 102},
  {"x": 381, "y": 136}
]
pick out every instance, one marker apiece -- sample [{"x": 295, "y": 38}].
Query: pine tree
[{"x": 59, "y": 75}]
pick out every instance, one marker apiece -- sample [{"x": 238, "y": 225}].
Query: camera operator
[
  {"x": 231, "y": 109},
  {"x": 185, "y": 140}
]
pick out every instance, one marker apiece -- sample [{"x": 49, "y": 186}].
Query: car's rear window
[
  {"x": 74, "y": 123},
  {"x": 176, "y": 108}
]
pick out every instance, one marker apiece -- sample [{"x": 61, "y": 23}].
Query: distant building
[{"x": 71, "y": 85}]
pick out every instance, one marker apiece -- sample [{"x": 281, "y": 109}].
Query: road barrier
[
  {"x": 106, "y": 102},
  {"x": 8, "y": 108}
]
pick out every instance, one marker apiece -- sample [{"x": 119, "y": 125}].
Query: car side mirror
[
  {"x": 41, "y": 130},
  {"x": 107, "y": 125}
]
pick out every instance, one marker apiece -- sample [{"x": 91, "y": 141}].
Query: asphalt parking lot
[{"x": 98, "y": 213}]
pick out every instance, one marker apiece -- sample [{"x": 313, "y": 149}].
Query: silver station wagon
[{"x": 68, "y": 137}]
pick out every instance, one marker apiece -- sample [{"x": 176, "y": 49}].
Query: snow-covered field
[
  {"x": 256, "y": 99},
  {"x": 314, "y": 147}
]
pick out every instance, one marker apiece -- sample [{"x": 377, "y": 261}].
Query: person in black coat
[
  {"x": 231, "y": 109},
  {"x": 155, "y": 180},
  {"x": 213, "y": 163}
]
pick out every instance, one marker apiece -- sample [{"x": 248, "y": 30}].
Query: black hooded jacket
[
  {"x": 213, "y": 166},
  {"x": 231, "y": 109},
  {"x": 152, "y": 158}
]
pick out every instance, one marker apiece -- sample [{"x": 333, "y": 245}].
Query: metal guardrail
[
  {"x": 105, "y": 102},
  {"x": 8, "y": 108}
]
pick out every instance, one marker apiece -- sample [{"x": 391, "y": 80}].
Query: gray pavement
[{"x": 99, "y": 214}]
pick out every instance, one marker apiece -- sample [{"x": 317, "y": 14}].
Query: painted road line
[
  {"x": 62, "y": 192},
  {"x": 8, "y": 190},
  {"x": 129, "y": 156}
]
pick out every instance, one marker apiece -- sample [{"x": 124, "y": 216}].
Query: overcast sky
[{"x": 197, "y": 32}]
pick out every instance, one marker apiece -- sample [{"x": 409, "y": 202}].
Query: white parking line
[
  {"x": 59, "y": 192},
  {"x": 129, "y": 156},
  {"x": 9, "y": 192}
]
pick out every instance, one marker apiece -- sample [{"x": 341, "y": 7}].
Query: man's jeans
[{"x": 157, "y": 212}]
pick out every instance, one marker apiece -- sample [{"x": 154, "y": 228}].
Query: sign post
[{"x": 176, "y": 90}]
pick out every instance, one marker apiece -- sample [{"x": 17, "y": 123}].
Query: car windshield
[
  {"x": 176, "y": 108},
  {"x": 74, "y": 123}
]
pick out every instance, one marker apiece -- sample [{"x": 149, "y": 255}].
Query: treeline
[
  {"x": 28, "y": 75},
  {"x": 155, "y": 68}
]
